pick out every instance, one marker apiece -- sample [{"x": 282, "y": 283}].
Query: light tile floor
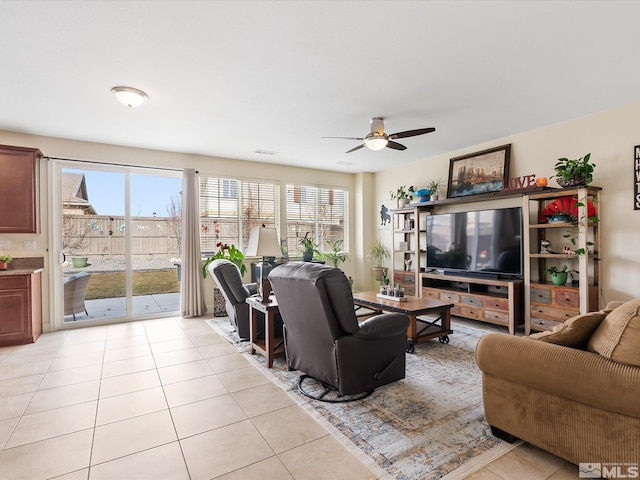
[{"x": 171, "y": 399}]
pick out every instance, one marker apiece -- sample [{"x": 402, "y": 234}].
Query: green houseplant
[
  {"x": 559, "y": 276},
  {"x": 309, "y": 247},
  {"x": 435, "y": 186},
  {"x": 378, "y": 253},
  {"x": 403, "y": 194},
  {"x": 5, "y": 260},
  {"x": 228, "y": 252},
  {"x": 336, "y": 255},
  {"x": 572, "y": 173}
]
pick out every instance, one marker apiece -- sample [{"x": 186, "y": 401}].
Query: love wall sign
[{"x": 636, "y": 177}]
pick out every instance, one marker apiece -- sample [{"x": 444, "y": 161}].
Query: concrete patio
[{"x": 116, "y": 307}]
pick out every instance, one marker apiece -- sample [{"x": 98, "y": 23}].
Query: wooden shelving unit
[
  {"x": 546, "y": 305},
  {"x": 406, "y": 246}
]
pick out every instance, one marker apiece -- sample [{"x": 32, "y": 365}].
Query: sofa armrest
[
  {"x": 252, "y": 287},
  {"x": 381, "y": 326},
  {"x": 565, "y": 372}
]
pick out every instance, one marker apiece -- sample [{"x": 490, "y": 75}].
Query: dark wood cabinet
[
  {"x": 19, "y": 189},
  {"x": 20, "y": 308}
]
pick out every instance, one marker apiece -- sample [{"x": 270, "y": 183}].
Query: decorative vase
[
  {"x": 403, "y": 202},
  {"x": 559, "y": 278},
  {"x": 378, "y": 271},
  {"x": 307, "y": 256},
  {"x": 572, "y": 182},
  {"x": 219, "y": 303},
  {"x": 3, "y": 265},
  {"x": 560, "y": 218}
]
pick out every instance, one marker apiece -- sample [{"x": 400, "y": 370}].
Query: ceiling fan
[{"x": 377, "y": 139}]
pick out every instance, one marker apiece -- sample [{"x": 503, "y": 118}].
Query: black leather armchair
[
  {"x": 322, "y": 334},
  {"x": 227, "y": 275}
]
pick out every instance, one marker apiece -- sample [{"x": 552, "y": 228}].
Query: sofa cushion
[
  {"x": 575, "y": 332},
  {"x": 618, "y": 336}
]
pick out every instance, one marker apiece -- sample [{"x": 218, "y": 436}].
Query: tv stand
[{"x": 490, "y": 300}]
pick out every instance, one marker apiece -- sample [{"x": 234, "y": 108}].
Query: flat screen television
[{"x": 482, "y": 242}]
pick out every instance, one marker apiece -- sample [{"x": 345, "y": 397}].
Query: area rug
[{"x": 428, "y": 426}]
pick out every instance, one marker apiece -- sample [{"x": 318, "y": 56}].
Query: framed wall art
[{"x": 480, "y": 172}]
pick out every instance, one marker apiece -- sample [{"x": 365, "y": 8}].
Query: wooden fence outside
[{"x": 99, "y": 235}]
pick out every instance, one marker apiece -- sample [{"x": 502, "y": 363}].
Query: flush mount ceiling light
[{"x": 129, "y": 96}]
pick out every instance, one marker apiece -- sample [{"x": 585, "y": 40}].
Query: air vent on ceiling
[
  {"x": 265, "y": 152},
  {"x": 346, "y": 164}
]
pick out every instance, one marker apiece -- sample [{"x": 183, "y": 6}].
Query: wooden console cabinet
[
  {"x": 20, "y": 308},
  {"x": 487, "y": 300},
  {"x": 19, "y": 189}
]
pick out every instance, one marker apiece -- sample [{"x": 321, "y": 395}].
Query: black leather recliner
[
  {"x": 227, "y": 276},
  {"x": 323, "y": 338}
]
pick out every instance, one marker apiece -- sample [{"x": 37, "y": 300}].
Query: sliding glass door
[{"x": 118, "y": 230}]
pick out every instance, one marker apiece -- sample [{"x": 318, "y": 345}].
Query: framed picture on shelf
[
  {"x": 403, "y": 246},
  {"x": 480, "y": 172}
]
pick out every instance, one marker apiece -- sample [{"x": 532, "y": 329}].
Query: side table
[{"x": 271, "y": 346}]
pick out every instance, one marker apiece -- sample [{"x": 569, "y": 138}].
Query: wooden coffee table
[{"x": 413, "y": 307}]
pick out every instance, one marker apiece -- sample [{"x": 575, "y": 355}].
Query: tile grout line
[
  {"x": 173, "y": 423},
  {"x": 95, "y": 418}
]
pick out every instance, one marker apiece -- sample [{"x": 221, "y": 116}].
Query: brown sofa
[{"x": 573, "y": 391}]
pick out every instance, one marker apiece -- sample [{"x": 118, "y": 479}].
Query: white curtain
[{"x": 192, "y": 302}]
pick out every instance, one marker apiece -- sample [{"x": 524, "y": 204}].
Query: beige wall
[
  {"x": 610, "y": 137},
  {"x": 62, "y": 148}
]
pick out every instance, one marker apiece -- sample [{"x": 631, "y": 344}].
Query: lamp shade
[
  {"x": 376, "y": 142},
  {"x": 263, "y": 242}
]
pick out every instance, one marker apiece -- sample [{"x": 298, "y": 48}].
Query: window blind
[
  {"x": 229, "y": 208},
  {"x": 317, "y": 210}
]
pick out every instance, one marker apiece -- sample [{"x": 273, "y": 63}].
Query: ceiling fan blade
[
  {"x": 412, "y": 133},
  {"x": 355, "y": 148},
  {"x": 395, "y": 145},
  {"x": 348, "y": 138}
]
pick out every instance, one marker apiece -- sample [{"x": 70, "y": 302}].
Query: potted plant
[
  {"x": 559, "y": 277},
  {"x": 336, "y": 255},
  {"x": 403, "y": 194},
  {"x": 435, "y": 186},
  {"x": 309, "y": 247},
  {"x": 378, "y": 253},
  {"x": 5, "y": 260},
  {"x": 572, "y": 173},
  {"x": 228, "y": 252}
]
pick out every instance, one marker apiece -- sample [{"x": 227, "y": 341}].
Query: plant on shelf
[
  {"x": 559, "y": 277},
  {"x": 228, "y": 252},
  {"x": 435, "y": 186},
  {"x": 336, "y": 255},
  {"x": 403, "y": 194},
  {"x": 378, "y": 253},
  {"x": 572, "y": 173},
  {"x": 309, "y": 247},
  {"x": 4, "y": 261}
]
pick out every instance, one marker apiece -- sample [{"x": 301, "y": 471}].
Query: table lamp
[{"x": 263, "y": 242}]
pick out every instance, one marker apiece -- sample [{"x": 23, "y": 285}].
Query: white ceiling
[{"x": 225, "y": 78}]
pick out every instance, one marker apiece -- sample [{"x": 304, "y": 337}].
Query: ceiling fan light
[
  {"x": 129, "y": 96},
  {"x": 376, "y": 143}
]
